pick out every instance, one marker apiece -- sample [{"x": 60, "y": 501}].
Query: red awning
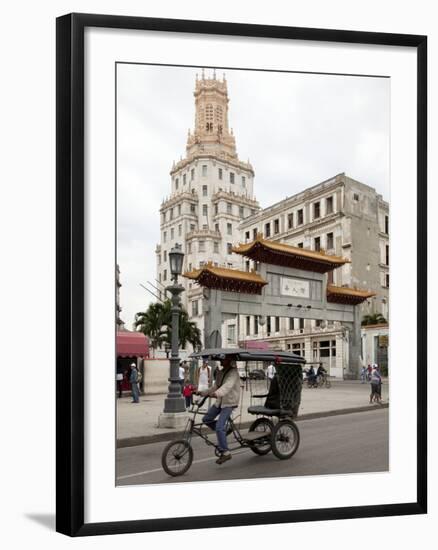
[{"x": 132, "y": 344}]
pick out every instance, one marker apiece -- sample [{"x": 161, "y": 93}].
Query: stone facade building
[
  {"x": 211, "y": 193},
  {"x": 342, "y": 217}
]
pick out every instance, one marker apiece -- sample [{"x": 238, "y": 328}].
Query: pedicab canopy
[{"x": 240, "y": 354}]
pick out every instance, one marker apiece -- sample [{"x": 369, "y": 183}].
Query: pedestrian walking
[
  {"x": 188, "y": 390},
  {"x": 119, "y": 378},
  {"x": 376, "y": 381},
  {"x": 363, "y": 374},
  {"x": 133, "y": 379},
  {"x": 182, "y": 373},
  {"x": 203, "y": 376},
  {"x": 369, "y": 371}
]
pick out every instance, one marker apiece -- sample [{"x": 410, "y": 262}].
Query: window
[
  {"x": 171, "y": 214},
  {"x": 201, "y": 246},
  {"x": 231, "y": 177},
  {"x": 164, "y": 236},
  {"x": 291, "y": 323},
  {"x": 387, "y": 280},
  {"x": 204, "y": 210},
  {"x": 247, "y": 236},
  {"x": 165, "y": 275},
  {"x": 229, "y": 208},
  {"x": 195, "y": 308},
  {"x": 204, "y": 190},
  {"x": 172, "y": 233},
  {"x": 387, "y": 225},
  {"x": 164, "y": 256},
  {"x": 256, "y": 325},
  {"x": 268, "y": 325},
  {"x": 241, "y": 212},
  {"x": 276, "y": 226},
  {"x": 231, "y": 333},
  {"x": 192, "y": 209},
  {"x": 298, "y": 349},
  {"x": 159, "y": 259},
  {"x": 329, "y": 205},
  {"x": 300, "y": 217},
  {"x": 356, "y": 197},
  {"x": 229, "y": 248},
  {"x": 243, "y": 181},
  {"x": 216, "y": 208},
  {"x": 216, "y": 227},
  {"x": 192, "y": 227},
  {"x": 290, "y": 221},
  {"x": 229, "y": 229},
  {"x": 330, "y": 241},
  {"x": 301, "y": 324},
  {"x": 247, "y": 265},
  {"x": 277, "y": 324},
  {"x": 330, "y": 277},
  {"x": 176, "y": 184},
  {"x": 189, "y": 248},
  {"x": 254, "y": 233},
  {"x": 204, "y": 170},
  {"x": 316, "y": 210},
  {"x": 190, "y": 266},
  {"x": 300, "y": 245},
  {"x": 179, "y": 230},
  {"x": 216, "y": 248},
  {"x": 220, "y": 173},
  {"x": 184, "y": 179},
  {"x": 317, "y": 243},
  {"x": 268, "y": 230},
  {"x": 204, "y": 226},
  {"x": 248, "y": 325},
  {"x": 192, "y": 174},
  {"x": 179, "y": 210},
  {"x": 387, "y": 254}
]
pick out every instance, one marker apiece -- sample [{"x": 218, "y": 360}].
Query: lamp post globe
[{"x": 176, "y": 259}]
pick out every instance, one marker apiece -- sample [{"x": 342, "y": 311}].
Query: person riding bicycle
[{"x": 226, "y": 390}]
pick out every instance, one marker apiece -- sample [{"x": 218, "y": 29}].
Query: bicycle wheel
[
  {"x": 285, "y": 439},
  {"x": 328, "y": 384},
  {"x": 261, "y": 425},
  {"x": 177, "y": 457}
]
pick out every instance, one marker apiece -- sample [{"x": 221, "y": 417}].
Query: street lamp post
[{"x": 174, "y": 402}]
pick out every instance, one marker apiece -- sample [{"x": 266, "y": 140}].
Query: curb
[{"x": 169, "y": 436}]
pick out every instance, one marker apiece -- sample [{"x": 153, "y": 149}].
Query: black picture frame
[{"x": 70, "y": 272}]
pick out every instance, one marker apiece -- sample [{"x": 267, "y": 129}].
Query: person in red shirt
[{"x": 188, "y": 390}]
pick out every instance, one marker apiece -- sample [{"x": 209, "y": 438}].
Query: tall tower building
[{"x": 211, "y": 193}]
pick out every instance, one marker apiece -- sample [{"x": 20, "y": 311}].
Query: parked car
[{"x": 257, "y": 374}]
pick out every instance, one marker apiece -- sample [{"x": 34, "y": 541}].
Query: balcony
[{"x": 203, "y": 233}]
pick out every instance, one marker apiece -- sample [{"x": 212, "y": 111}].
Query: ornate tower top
[{"x": 211, "y": 133}]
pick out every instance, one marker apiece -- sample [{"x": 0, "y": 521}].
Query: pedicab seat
[{"x": 266, "y": 411}]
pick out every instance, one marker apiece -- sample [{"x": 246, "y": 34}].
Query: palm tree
[
  {"x": 150, "y": 323},
  {"x": 373, "y": 319},
  {"x": 156, "y": 323}
]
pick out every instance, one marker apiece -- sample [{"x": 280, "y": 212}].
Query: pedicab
[{"x": 274, "y": 428}]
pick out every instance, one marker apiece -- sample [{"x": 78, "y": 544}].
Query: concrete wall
[{"x": 156, "y": 374}]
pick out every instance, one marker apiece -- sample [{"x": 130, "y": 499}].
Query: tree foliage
[
  {"x": 373, "y": 319},
  {"x": 156, "y": 324}
]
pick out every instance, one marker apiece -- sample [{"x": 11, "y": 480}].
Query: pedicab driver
[{"x": 226, "y": 390}]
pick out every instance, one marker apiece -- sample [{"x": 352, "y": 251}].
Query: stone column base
[{"x": 177, "y": 421}]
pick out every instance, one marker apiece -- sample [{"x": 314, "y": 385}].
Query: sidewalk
[{"x": 137, "y": 423}]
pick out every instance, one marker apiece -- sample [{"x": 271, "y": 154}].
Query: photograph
[{"x": 252, "y": 274}]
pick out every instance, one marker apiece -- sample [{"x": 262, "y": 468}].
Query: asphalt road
[{"x": 350, "y": 443}]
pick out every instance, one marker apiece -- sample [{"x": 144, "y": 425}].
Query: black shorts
[{"x": 375, "y": 388}]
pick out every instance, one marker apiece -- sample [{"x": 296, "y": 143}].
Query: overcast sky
[{"x": 296, "y": 129}]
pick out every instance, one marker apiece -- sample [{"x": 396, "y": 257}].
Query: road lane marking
[{"x": 155, "y": 470}]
